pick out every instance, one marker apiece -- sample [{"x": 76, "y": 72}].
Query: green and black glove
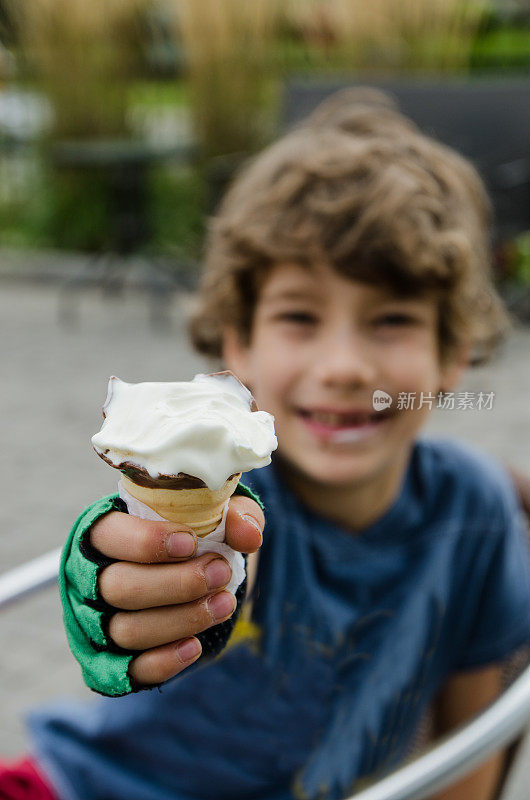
[{"x": 86, "y": 615}]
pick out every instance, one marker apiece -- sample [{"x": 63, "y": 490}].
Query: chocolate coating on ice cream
[{"x": 141, "y": 477}]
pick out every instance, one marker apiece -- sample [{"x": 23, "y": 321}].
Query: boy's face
[{"x": 321, "y": 345}]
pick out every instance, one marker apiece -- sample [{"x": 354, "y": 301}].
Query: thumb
[{"x": 245, "y": 522}]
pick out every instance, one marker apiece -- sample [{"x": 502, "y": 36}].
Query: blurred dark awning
[{"x": 488, "y": 121}]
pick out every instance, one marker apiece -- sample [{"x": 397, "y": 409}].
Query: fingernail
[
  {"x": 222, "y": 605},
  {"x": 253, "y": 521},
  {"x": 188, "y": 650},
  {"x": 217, "y": 573},
  {"x": 180, "y": 545}
]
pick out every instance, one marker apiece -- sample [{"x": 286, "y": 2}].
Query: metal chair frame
[{"x": 450, "y": 758}]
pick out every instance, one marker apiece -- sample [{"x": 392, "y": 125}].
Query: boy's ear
[
  {"x": 453, "y": 371},
  {"x": 235, "y": 354}
]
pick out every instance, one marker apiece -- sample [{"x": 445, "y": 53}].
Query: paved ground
[{"x": 53, "y": 384}]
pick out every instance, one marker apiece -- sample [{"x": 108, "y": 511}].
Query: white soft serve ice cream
[{"x": 204, "y": 428}]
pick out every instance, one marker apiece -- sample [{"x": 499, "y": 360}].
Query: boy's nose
[{"x": 346, "y": 362}]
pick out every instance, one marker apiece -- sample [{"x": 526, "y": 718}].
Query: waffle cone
[{"x": 201, "y": 509}]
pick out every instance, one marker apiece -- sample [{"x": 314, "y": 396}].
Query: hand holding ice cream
[{"x": 172, "y": 599}]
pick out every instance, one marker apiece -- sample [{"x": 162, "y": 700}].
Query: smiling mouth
[{"x": 343, "y": 428}]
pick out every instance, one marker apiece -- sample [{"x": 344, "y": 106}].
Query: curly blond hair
[{"x": 358, "y": 185}]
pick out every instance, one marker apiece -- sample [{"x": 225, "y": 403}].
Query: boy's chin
[
  {"x": 341, "y": 479},
  {"x": 330, "y": 475}
]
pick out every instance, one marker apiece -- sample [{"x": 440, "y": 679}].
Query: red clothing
[{"x": 22, "y": 780}]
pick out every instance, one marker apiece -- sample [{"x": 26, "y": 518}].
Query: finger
[
  {"x": 128, "y": 538},
  {"x": 162, "y": 663},
  {"x": 141, "y": 630},
  {"x": 138, "y": 586},
  {"x": 244, "y": 524}
]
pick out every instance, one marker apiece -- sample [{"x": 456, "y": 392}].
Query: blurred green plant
[
  {"x": 82, "y": 55},
  {"x": 512, "y": 261},
  {"x": 228, "y": 49},
  {"x": 502, "y": 48},
  {"x": 175, "y": 202},
  {"x": 87, "y": 57},
  {"x": 403, "y": 36},
  {"x": 177, "y": 217},
  {"x": 521, "y": 271}
]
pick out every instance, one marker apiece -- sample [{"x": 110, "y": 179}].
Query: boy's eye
[
  {"x": 396, "y": 319},
  {"x": 297, "y": 317}
]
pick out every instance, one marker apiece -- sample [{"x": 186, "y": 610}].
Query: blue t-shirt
[{"x": 358, "y": 632}]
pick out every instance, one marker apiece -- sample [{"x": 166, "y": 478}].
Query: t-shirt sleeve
[{"x": 498, "y": 623}]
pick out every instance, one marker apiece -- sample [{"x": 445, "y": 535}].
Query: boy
[{"x": 349, "y": 258}]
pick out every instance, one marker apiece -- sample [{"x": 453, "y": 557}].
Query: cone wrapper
[
  {"x": 213, "y": 542},
  {"x": 199, "y": 507}
]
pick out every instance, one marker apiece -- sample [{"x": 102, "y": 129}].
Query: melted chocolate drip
[{"x": 141, "y": 477}]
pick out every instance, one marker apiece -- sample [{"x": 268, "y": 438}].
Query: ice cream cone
[{"x": 201, "y": 508}]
